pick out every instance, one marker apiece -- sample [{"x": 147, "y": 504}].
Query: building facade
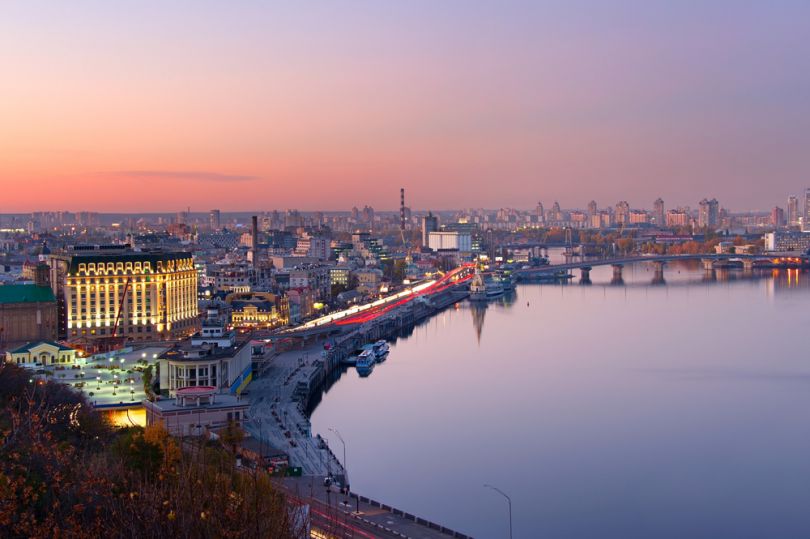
[
  {"x": 709, "y": 213},
  {"x": 793, "y": 211},
  {"x": 28, "y": 312},
  {"x": 806, "y": 213},
  {"x": 143, "y": 295},
  {"x": 430, "y": 223},
  {"x": 43, "y": 353}
]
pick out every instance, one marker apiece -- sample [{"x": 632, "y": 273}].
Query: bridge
[{"x": 709, "y": 260}]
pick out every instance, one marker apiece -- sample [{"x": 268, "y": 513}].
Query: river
[{"x": 632, "y": 411}]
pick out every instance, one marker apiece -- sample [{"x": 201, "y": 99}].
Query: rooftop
[
  {"x": 25, "y": 293},
  {"x": 222, "y": 400},
  {"x": 29, "y": 346}
]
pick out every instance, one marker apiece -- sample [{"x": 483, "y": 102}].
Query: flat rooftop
[{"x": 221, "y": 401}]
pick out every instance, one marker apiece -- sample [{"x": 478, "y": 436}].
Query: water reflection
[
  {"x": 478, "y": 310},
  {"x": 599, "y": 401}
]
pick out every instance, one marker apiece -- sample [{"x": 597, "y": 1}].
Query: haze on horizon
[{"x": 251, "y": 105}]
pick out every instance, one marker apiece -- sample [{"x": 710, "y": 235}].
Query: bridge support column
[
  {"x": 708, "y": 263},
  {"x": 748, "y": 265},
  {"x": 658, "y": 276},
  {"x": 585, "y": 275},
  {"x": 617, "y": 274}
]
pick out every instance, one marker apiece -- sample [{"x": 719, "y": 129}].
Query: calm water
[{"x": 604, "y": 411}]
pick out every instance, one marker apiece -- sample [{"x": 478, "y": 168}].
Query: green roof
[
  {"x": 30, "y": 345},
  {"x": 25, "y": 293}
]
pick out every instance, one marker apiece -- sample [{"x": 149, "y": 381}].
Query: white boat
[
  {"x": 380, "y": 349},
  {"x": 365, "y": 362},
  {"x": 493, "y": 288},
  {"x": 506, "y": 279}
]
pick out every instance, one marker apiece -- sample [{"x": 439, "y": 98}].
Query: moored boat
[
  {"x": 381, "y": 350},
  {"x": 365, "y": 362}
]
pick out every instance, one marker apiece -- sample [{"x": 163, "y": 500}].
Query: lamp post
[
  {"x": 345, "y": 472},
  {"x": 509, "y": 501}
]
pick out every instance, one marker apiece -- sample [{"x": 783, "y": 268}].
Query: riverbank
[{"x": 281, "y": 397}]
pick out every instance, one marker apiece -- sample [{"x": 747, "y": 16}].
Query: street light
[
  {"x": 509, "y": 500},
  {"x": 345, "y": 471}
]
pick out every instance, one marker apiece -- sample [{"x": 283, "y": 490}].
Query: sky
[{"x": 159, "y": 106}]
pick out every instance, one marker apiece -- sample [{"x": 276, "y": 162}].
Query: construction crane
[{"x": 120, "y": 307}]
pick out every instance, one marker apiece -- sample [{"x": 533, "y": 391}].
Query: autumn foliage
[{"x": 64, "y": 472}]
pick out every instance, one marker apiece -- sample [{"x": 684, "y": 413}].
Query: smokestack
[{"x": 402, "y": 209}]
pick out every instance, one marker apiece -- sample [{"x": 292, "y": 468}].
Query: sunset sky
[{"x": 156, "y": 106}]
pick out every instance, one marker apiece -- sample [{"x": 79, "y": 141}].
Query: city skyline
[{"x": 464, "y": 106}]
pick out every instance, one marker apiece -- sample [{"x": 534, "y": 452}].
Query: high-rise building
[
  {"x": 430, "y": 223},
  {"x": 214, "y": 222},
  {"x": 541, "y": 213},
  {"x": 679, "y": 217},
  {"x": 149, "y": 295},
  {"x": 593, "y": 209},
  {"x": 793, "y": 211},
  {"x": 777, "y": 216},
  {"x": 709, "y": 213},
  {"x": 658, "y": 212},
  {"x": 622, "y": 214},
  {"x": 806, "y": 213}
]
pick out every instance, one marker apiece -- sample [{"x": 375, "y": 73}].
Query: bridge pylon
[
  {"x": 585, "y": 275},
  {"x": 617, "y": 279}
]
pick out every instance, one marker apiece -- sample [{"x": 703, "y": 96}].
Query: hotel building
[{"x": 150, "y": 295}]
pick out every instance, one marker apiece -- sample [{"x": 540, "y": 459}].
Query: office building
[
  {"x": 793, "y": 211},
  {"x": 430, "y": 223},
  {"x": 450, "y": 241}
]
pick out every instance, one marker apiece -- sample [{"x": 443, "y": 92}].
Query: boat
[
  {"x": 350, "y": 360},
  {"x": 506, "y": 279},
  {"x": 365, "y": 362},
  {"x": 380, "y": 349},
  {"x": 493, "y": 288},
  {"x": 485, "y": 288}
]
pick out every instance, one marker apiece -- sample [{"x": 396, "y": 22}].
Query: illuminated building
[
  {"x": 782, "y": 241},
  {"x": 257, "y": 309},
  {"x": 149, "y": 295},
  {"x": 42, "y": 353},
  {"x": 211, "y": 358}
]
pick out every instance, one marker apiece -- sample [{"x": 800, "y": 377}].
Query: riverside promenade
[{"x": 278, "y": 417}]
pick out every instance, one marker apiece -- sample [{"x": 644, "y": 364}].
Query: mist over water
[{"x": 676, "y": 410}]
